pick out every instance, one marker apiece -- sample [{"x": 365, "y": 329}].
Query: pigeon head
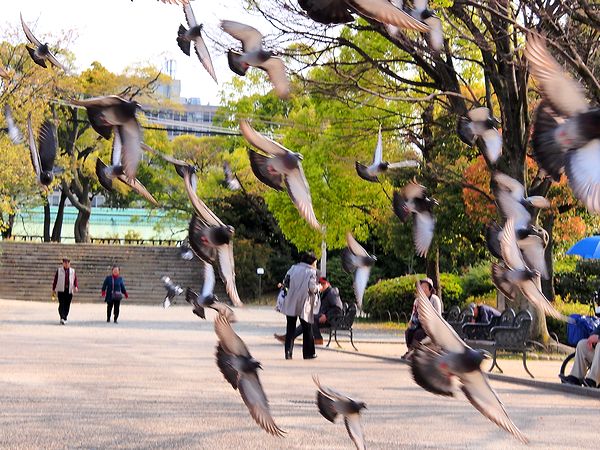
[
  {"x": 46, "y": 178},
  {"x": 222, "y": 235},
  {"x": 383, "y": 166},
  {"x": 471, "y": 359}
]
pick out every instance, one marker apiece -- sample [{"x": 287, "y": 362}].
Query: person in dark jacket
[
  {"x": 331, "y": 305},
  {"x": 64, "y": 285},
  {"x": 113, "y": 291},
  {"x": 484, "y": 313}
]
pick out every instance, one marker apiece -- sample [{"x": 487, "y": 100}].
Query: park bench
[
  {"x": 342, "y": 322},
  {"x": 482, "y": 331},
  {"x": 457, "y": 318},
  {"x": 510, "y": 338}
]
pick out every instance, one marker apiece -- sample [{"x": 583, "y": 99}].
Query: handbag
[{"x": 115, "y": 296}]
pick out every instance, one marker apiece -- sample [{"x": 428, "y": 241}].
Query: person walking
[
  {"x": 64, "y": 285},
  {"x": 113, "y": 290},
  {"x": 302, "y": 292}
]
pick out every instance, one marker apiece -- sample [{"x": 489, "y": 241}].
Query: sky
[{"x": 121, "y": 33}]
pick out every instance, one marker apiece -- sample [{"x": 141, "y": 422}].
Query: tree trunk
[
  {"x": 58, "y": 222},
  {"x": 7, "y": 234},
  {"x": 46, "y": 221},
  {"x": 433, "y": 269},
  {"x": 82, "y": 228}
]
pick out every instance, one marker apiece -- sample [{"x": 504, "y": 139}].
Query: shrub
[
  {"x": 397, "y": 295},
  {"x": 477, "y": 281},
  {"x": 578, "y": 281}
]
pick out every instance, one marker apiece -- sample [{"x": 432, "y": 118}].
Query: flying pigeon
[
  {"x": 231, "y": 181},
  {"x": 185, "y": 251},
  {"x": 254, "y": 55},
  {"x": 106, "y": 174},
  {"x": 422, "y": 13},
  {"x": 442, "y": 368},
  {"x": 240, "y": 369},
  {"x": 194, "y": 34},
  {"x": 332, "y": 403},
  {"x": 280, "y": 166},
  {"x": 378, "y": 166},
  {"x": 113, "y": 112},
  {"x": 212, "y": 241},
  {"x": 521, "y": 275},
  {"x": 493, "y": 232},
  {"x": 503, "y": 283},
  {"x": 355, "y": 259},
  {"x": 479, "y": 123},
  {"x": 14, "y": 133},
  {"x": 411, "y": 200},
  {"x": 566, "y": 130},
  {"x": 207, "y": 299},
  {"x": 340, "y": 11},
  {"x": 43, "y": 154},
  {"x": 173, "y": 291},
  {"x": 40, "y": 53}
]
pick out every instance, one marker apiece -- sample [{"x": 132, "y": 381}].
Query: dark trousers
[
  {"x": 308, "y": 345},
  {"x": 109, "y": 307},
  {"x": 316, "y": 329},
  {"x": 413, "y": 336},
  {"x": 64, "y": 304}
]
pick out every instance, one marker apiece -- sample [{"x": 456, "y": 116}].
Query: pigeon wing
[
  {"x": 131, "y": 138},
  {"x": 355, "y": 431},
  {"x": 250, "y": 37},
  {"x": 225, "y": 365},
  {"x": 204, "y": 56},
  {"x": 230, "y": 341},
  {"x": 47, "y": 146},
  {"x": 196, "y": 231},
  {"x": 361, "y": 278},
  {"x": 35, "y": 156},
  {"x": 227, "y": 272},
  {"x": 426, "y": 372},
  {"x": 423, "y": 229},
  {"x": 275, "y": 68},
  {"x": 584, "y": 176},
  {"x": 189, "y": 15},
  {"x": 299, "y": 192},
  {"x": 516, "y": 189},
  {"x": 385, "y": 12},
  {"x": 203, "y": 211},
  {"x": 354, "y": 246},
  {"x": 509, "y": 289},
  {"x": 208, "y": 279},
  {"x": 537, "y": 298},
  {"x": 436, "y": 327},
  {"x": 117, "y": 149},
  {"x": 260, "y": 167},
  {"x": 30, "y": 37},
  {"x": 532, "y": 248},
  {"x": 511, "y": 254},
  {"x": 326, "y": 406},
  {"x": 493, "y": 144},
  {"x": 349, "y": 260},
  {"x": 255, "y": 399},
  {"x": 139, "y": 188},
  {"x": 103, "y": 177},
  {"x": 512, "y": 209},
  {"x": 481, "y": 395},
  {"x": 400, "y": 207},
  {"x": 560, "y": 90},
  {"x": 261, "y": 142},
  {"x": 378, "y": 156}
]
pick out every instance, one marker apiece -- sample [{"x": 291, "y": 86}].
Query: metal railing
[{"x": 109, "y": 241}]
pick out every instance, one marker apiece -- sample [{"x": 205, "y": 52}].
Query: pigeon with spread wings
[
  {"x": 43, "y": 154},
  {"x": 240, "y": 369},
  {"x": 378, "y": 166},
  {"x": 40, "y": 53},
  {"x": 173, "y": 290},
  {"x": 566, "y": 130},
  {"x": 115, "y": 113},
  {"x": 281, "y": 166},
  {"x": 450, "y": 363},
  {"x": 479, "y": 123},
  {"x": 355, "y": 259},
  {"x": 14, "y": 133},
  {"x": 412, "y": 201},
  {"x": 254, "y": 55},
  {"x": 194, "y": 34},
  {"x": 332, "y": 403}
]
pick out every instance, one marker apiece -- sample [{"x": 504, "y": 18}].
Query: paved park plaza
[{"x": 151, "y": 382}]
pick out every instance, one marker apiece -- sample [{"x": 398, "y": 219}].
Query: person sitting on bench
[
  {"x": 586, "y": 370},
  {"x": 483, "y": 313}
]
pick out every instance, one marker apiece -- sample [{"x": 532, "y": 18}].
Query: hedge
[
  {"x": 577, "y": 285},
  {"x": 397, "y": 295}
]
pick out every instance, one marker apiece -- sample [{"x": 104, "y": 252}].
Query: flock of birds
[{"x": 566, "y": 139}]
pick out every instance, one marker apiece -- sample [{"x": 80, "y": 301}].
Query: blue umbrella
[{"x": 588, "y": 248}]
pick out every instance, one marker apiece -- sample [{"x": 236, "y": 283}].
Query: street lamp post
[{"x": 260, "y": 272}]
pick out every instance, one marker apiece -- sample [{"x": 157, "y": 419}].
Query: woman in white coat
[{"x": 302, "y": 292}]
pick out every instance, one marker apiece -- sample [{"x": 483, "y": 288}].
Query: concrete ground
[{"x": 151, "y": 382}]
